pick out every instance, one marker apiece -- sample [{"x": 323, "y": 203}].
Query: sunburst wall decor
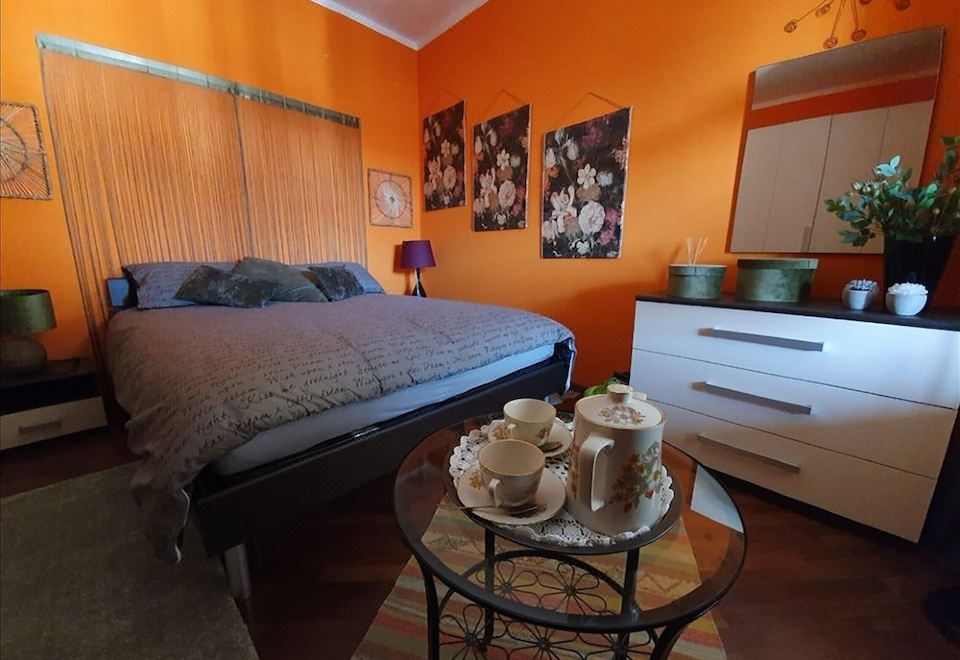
[
  {"x": 840, "y": 8},
  {"x": 23, "y": 162}
]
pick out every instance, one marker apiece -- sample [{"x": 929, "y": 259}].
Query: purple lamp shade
[{"x": 416, "y": 254}]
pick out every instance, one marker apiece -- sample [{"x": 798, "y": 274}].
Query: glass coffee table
[{"x": 504, "y": 594}]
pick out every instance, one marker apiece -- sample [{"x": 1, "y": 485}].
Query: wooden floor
[{"x": 814, "y": 586}]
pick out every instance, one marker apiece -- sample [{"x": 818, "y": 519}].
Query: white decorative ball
[{"x": 908, "y": 289}]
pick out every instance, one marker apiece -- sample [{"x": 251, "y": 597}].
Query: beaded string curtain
[
  {"x": 291, "y": 159},
  {"x": 158, "y": 169}
]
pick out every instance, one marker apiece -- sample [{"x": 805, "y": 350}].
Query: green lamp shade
[{"x": 25, "y": 312}]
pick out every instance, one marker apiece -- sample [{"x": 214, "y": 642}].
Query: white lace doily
[{"x": 563, "y": 529}]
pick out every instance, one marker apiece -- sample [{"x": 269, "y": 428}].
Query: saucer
[
  {"x": 472, "y": 492},
  {"x": 559, "y": 433}
]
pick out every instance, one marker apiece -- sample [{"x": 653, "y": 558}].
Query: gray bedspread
[{"x": 200, "y": 381}]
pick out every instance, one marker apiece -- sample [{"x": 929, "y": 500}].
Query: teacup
[
  {"x": 511, "y": 471},
  {"x": 530, "y": 420}
]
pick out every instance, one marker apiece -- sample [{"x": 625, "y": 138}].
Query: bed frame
[{"x": 234, "y": 511}]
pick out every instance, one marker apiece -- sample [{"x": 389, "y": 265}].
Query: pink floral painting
[
  {"x": 443, "y": 158},
  {"x": 584, "y": 180},
  {"x": 501, "y": 160}
]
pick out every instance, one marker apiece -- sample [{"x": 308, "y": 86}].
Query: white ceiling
[{"x": 413, "y": 23}]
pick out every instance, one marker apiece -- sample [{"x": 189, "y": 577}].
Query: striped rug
[{"x": 667, "y": 571}]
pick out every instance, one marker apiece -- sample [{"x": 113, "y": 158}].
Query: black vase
[{"x": 921, "y": 263}]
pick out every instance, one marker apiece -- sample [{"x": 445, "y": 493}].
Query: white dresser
[{"x": 851, "y": 412}]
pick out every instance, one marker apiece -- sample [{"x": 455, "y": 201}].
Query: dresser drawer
[
  {"x": 28, "y": 426},
  {"x": 916, "y": 364},
  {"x": 873, "y": 494},
  {"x": 909, "y": 436}
]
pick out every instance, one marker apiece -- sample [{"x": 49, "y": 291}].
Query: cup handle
[
  {"x": 588, "y": 484},
  {"x": 639, "y": 396},
  {"x": 510, "y": 429},
  {"x": 492, "y": 489}
]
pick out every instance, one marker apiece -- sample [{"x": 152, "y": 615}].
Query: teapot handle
[{"x": 590, "y": 451}]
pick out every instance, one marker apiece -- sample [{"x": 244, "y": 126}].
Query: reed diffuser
[{"x": 692, "y": 279}]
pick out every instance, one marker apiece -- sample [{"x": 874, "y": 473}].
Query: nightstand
[{"x": 63, "y": 398}]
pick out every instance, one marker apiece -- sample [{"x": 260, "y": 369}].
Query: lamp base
[
  {"x": 22, "y": 355},
  {"x": 418, "y": 289}
]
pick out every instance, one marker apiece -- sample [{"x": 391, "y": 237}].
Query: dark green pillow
[
  {"x": 337, "y": 282},
  {"x": 292, "y": 283},
  {"x": 215, "y": 287}
]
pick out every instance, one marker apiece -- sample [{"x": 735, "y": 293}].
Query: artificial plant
[{"x": 888, "y": 205}]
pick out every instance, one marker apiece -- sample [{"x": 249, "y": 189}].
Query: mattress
[{"x": 313, "y": 431}]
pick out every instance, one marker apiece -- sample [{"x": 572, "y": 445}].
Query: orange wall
[
  {"x": 291, "y": 47},
  {"x": 683, "y": 66}
]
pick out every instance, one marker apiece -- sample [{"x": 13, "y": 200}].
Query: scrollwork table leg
[
  {"x": 489, "y": 550},
  {"x": 433, "y": 613},
  {"x": 667, "y": 639},
  {"x": 629, "y": 591}
]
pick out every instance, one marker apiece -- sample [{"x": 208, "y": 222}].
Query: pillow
[
  {"x": 366, "y": 280},
  {"x": 216, "y": 287},
  {"x": 292, "y": 283},
  {"x": 157, "y": 283},
  {"x": 336, "y": 282}
]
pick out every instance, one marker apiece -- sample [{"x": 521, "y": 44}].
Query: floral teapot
[{"x": 615, "y": 470}]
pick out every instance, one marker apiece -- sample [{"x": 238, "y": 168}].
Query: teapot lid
[{"x": 620, "y": 407}]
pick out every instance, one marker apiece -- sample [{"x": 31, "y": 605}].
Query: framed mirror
[{"x": 817, "y": 123}]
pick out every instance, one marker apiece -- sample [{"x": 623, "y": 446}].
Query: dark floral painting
[
  {"x": 501, "y": 159},
  {"x": 584, "y": 179},
  {"x": 443, "y": 179}
]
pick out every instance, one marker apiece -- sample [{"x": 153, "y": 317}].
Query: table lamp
[
  {"x": 24, "y": 312},
  {"x": 417, "y": 255}
]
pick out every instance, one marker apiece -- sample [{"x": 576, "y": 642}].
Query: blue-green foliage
[{"x": 887, "y": 204}]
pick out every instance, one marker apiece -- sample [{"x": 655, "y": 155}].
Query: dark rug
[{"x": 78, "y": 580}]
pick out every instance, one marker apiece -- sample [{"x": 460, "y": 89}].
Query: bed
[{"x": 249, "y": 418}]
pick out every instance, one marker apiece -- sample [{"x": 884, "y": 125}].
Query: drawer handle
[
  {"x": 776, "y": 462},
  {"x": 767, "y": 340},
  {"x": 787, "y": 406},
  {"x": 41, "y": 426}
]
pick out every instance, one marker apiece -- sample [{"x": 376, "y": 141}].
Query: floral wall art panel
[
  {"x": 443, "y": 178},
  {"x": 501, "y": 160},
  {"x": 584, "y": 180}
]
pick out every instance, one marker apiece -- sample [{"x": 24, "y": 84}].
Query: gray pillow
[
  {"x": 216, "y": 287},
  {"x": 366, "y": 280},
  {"x": 157, "y": 283},
  {"x": 336, "y": 282},
  {"x": 292, "y": 283}
]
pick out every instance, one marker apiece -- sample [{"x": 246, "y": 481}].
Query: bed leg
[{"x": 238, "y": 571}]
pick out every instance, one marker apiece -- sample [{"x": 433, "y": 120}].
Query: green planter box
[
  {"x": 700, "y": 282},
  {"x": 775, "y": 280}
]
